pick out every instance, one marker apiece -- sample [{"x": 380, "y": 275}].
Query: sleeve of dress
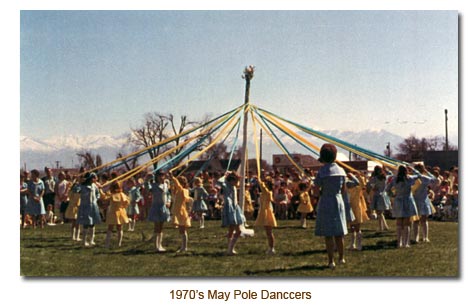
[
  {"x": 412, "y": 178},
  {"x": 318, "y": 180}
]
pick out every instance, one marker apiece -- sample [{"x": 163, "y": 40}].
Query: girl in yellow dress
[
  {"x": 71, "y": 213},
  {"x": 266, "y": 215},
  {"x": 305, "y": 205},
  {"x": 180, "y": 213},
  {"x": 117, "y": 211},
  {"x": 355, "y": 186}
]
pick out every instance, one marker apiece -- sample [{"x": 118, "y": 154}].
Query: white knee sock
[
  {"x": 85, "y": 234},
  {"x": 120, "y": 237},
  {"x": 202, "y": 221},
  {"x": 406, "y": 235},
  {"x": 416, "y": 231},
  {"x": 425, "y": 230},
  {"x": 161, "y": 249},
  {"x": 93, "y": 231},
  {"x": 352, "y": 245},
  {"x": 399, "y": 236}
]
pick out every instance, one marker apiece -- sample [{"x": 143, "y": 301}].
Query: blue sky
[{"x": 99, "y": 72}]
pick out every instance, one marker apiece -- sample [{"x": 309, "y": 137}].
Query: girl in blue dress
[
  {"x": 35, "y": 205},
  {"x": 199, "y": 204},
  {"x": 331, "y": 211},
  {"x": 159, "y": 211},
  {"x": 423, "y": 203},
  {"x": 380, "y": 200},
  {"x": 88, "y": 211},
  {"x": 232, "y": 215},
  {"x": 404, "y": 206}
]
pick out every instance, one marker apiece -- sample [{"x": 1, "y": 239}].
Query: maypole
[{"x": 247, "y": 76}]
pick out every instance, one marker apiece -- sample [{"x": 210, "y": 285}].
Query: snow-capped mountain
[
  {"x": 72, "y": 142},
  {"x": 37, "y": 153}
]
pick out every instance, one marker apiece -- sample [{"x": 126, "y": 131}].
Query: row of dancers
[{"x": 341, "y": 205}]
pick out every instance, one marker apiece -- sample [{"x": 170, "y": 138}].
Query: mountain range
[{"x": 37, "y": 153}]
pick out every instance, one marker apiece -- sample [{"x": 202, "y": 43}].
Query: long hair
[
  {"x": 402, "y": 174},
  {"x": 379, "y": 173}
]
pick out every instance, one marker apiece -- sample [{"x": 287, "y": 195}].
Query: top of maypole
[
  {"x": 248, "y": 72},
  {"x": 247, "y": 76}
]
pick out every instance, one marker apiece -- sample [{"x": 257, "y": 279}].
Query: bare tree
[
  {"x": 413, "y": 148},
  {"x": 156, "y": 128},
  {"x": 129, "y": 164},
  {"x": 88, "y": 160}
]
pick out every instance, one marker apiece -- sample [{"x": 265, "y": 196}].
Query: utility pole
[
  {"x": 247, "y": 76},
  {"x": 261, "y": 148},
  {"x": 446, "y": 130}
]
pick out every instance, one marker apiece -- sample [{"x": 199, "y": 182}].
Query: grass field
[{"x": 51, "y": 252}]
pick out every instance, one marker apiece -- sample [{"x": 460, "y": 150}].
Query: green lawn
[{"x": 50, "y": 252}]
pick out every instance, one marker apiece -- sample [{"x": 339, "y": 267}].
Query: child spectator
[{"x": 50, "y": 217}]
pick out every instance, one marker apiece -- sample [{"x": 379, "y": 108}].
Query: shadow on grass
[
  {"x": 380, "y": 245},
  {"x": 291, "y": 269},
  {"x": 304, "y": 253},
  {"x": 379, "y": 234}
]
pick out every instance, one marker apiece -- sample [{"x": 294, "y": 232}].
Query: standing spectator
[
  {"x": 49, "y": 182},
  {"x": 23, "y": 199},
  {"x": 61, "y": 192},
  {"x": 282, "y": 200},
  {"x": 331, "y": 215},
  {"x": 453, "y": 177},
  {"x": 35, "y": 206}
]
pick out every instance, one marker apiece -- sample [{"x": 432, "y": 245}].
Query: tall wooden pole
[{"x": 247, "y": 76}]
